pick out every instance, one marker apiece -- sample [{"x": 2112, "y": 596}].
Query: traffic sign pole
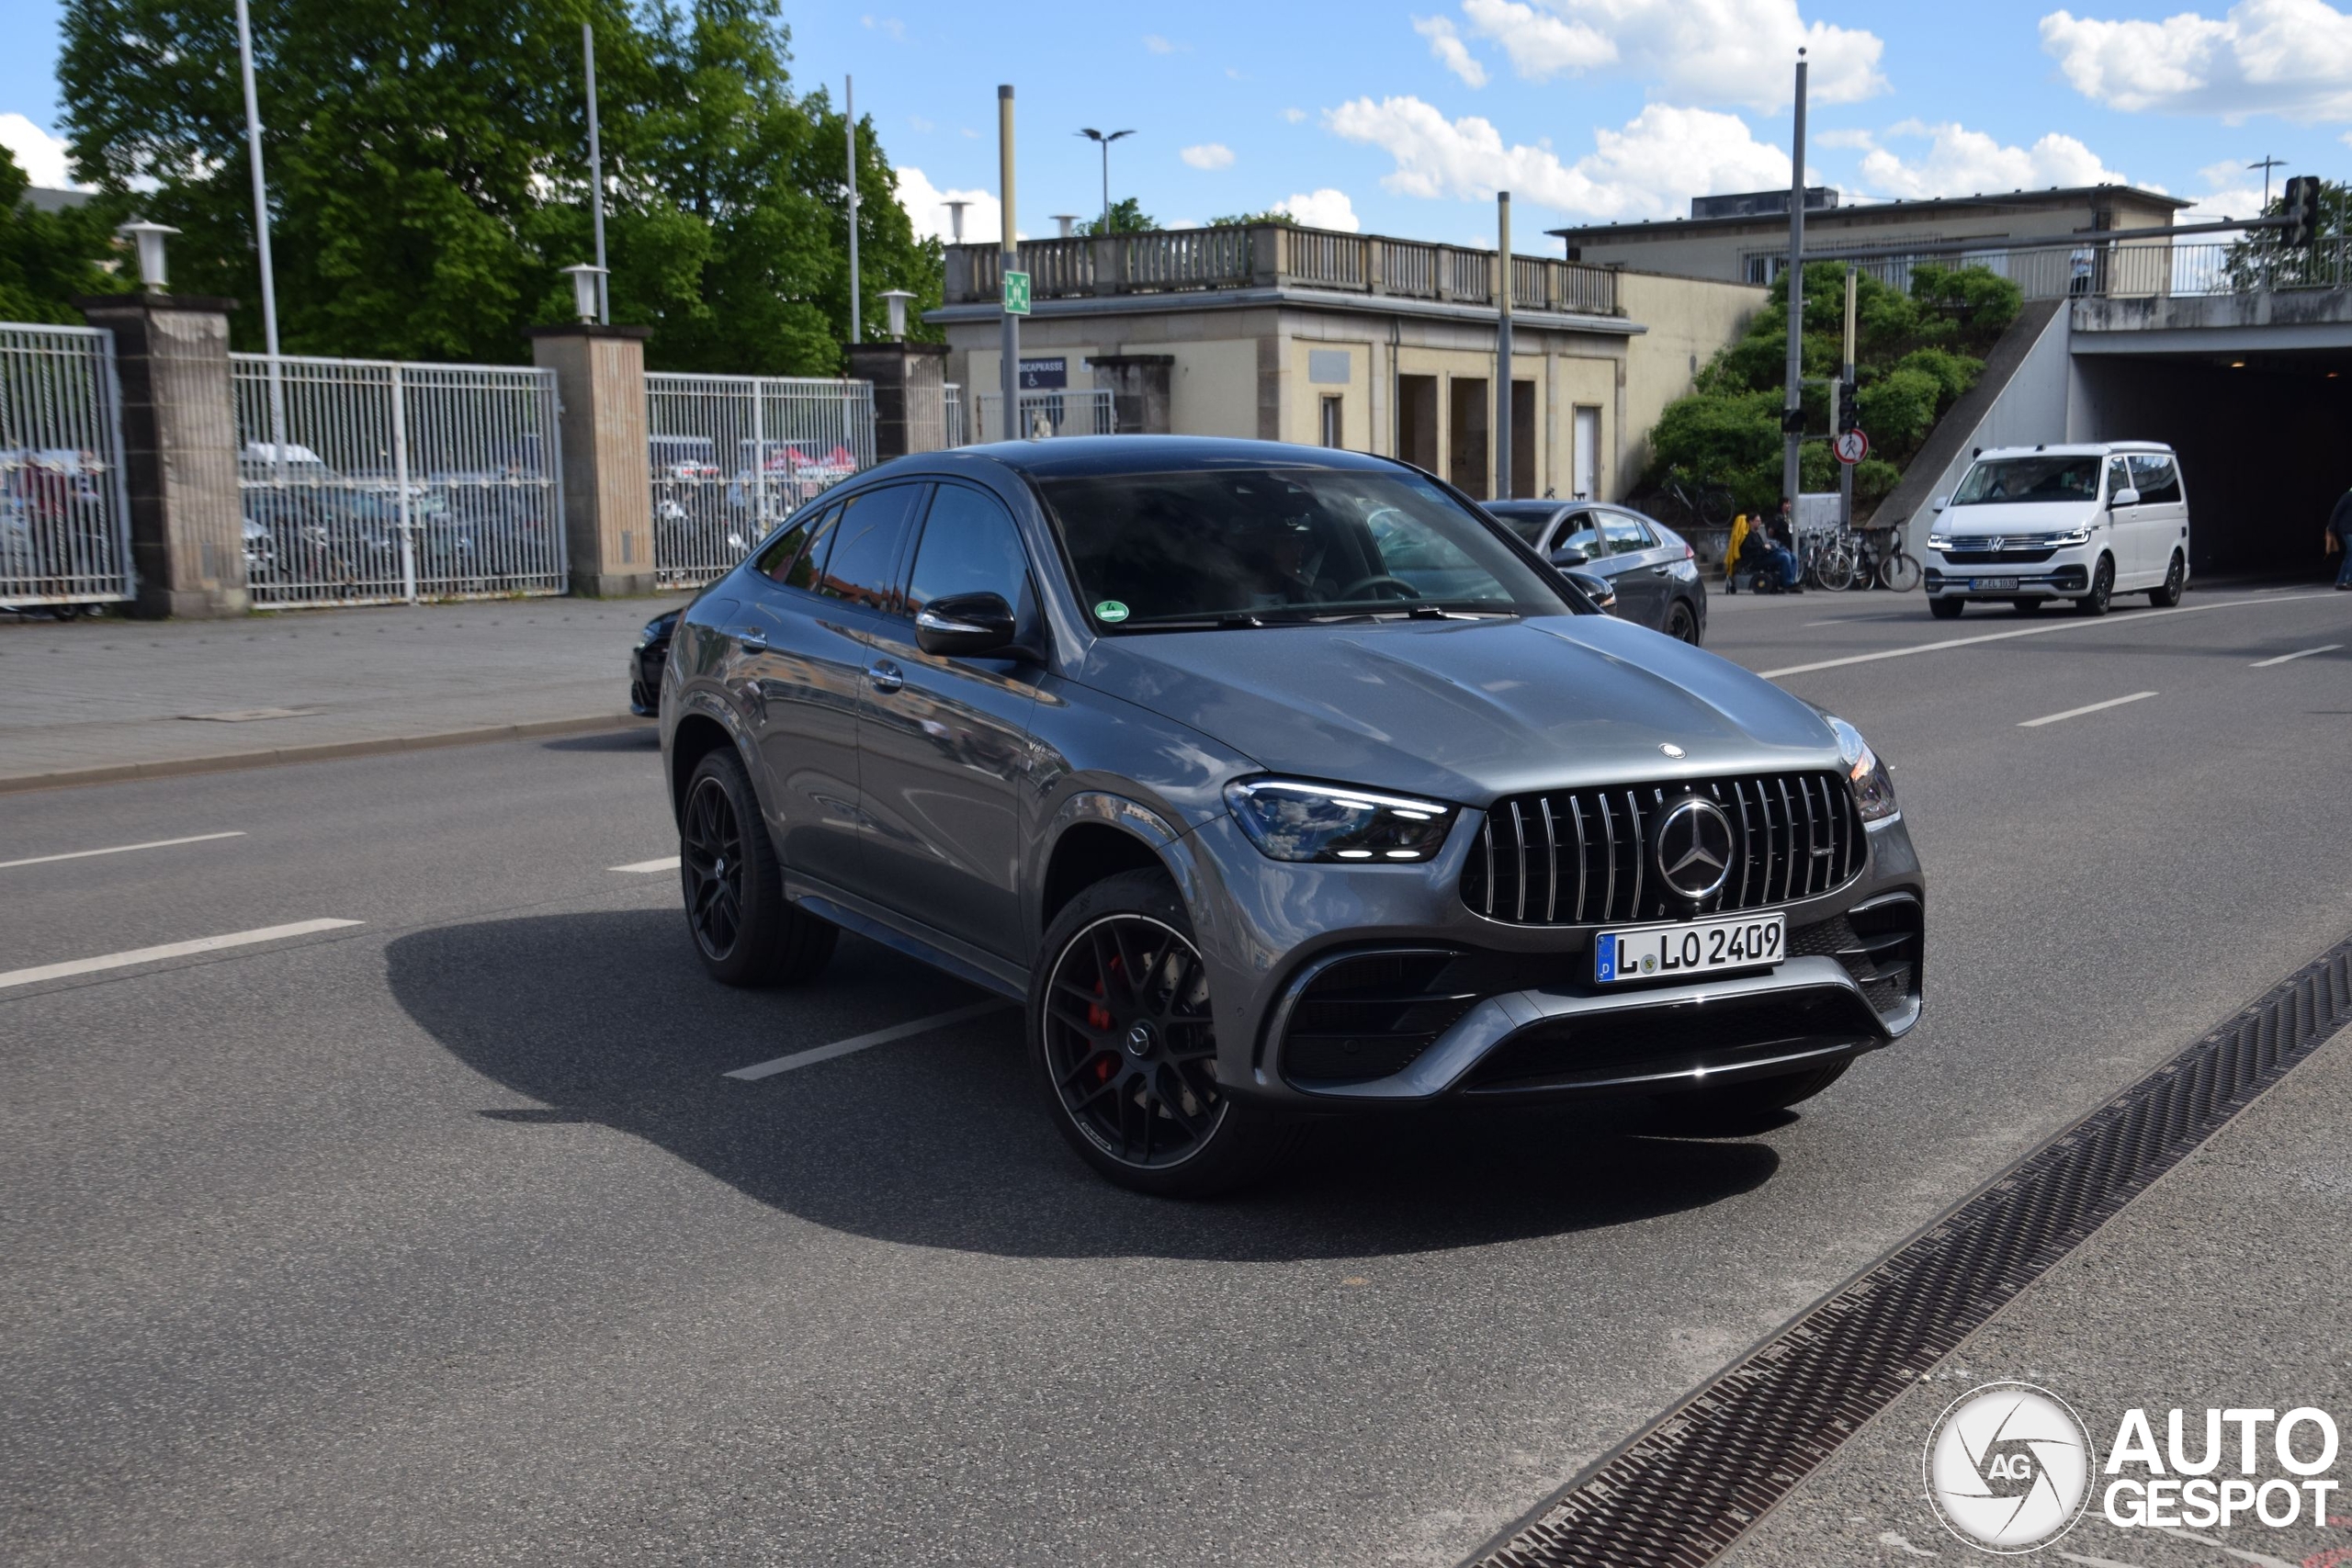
[
  {"x": 1008, "y": 387},
  {"x": 1844, "y": 469}
]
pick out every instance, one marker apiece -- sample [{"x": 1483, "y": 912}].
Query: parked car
[
  {"x": 2029, "y": 525},
  {"x": 1274, "y": 780},
  {"x": 1654, "y": 570},
  {"x": 647, "y": 660}
]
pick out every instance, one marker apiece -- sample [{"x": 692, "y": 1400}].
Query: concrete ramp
[{"x": 2018, "y": 400}]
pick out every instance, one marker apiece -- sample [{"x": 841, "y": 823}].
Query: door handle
[
  {"x": 1660, "y": 571},
  {"x": 752, "y": 640},
  {"x": 885, "y": 676}
]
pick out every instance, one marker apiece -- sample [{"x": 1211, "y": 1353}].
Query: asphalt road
[{"x": 444, "y": 1238}]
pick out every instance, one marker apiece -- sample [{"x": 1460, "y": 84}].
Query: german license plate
[
  {"x": 1689, "y": 947},
  {"x": 1993, "y": 585}
]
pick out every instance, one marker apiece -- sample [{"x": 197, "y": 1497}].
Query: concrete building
[
  {"x": 1372, "y": 343},
  {"x": 1746, "y": 238}
]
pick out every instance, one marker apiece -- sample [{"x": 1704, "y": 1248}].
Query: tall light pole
[
  {"x": 1502, "y": 346},
  {"x": 955, "y": 218},
  {"x": 849, "y": 113},
  {"x": 1103, "y": 140},
  {"x": 595, "y": 177},
  {"x": 1008, "y": 260},
  {"x": 261, "y": 236},
  {"x": 1793, "y": 403}
]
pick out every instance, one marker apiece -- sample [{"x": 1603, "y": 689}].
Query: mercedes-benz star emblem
[
  {"x": 1671, "y": 750},
  {"x": 1693, "y": 848}
]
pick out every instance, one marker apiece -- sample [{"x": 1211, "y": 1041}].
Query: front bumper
[
  {"x": 2044, "y": 574},
  {"x": 1410, "y": 998}
]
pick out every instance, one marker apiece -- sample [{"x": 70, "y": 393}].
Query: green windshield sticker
[{"x": 1111, "y": 610}]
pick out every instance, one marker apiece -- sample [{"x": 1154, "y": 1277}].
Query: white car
[{"x": 2081, "y": 523}]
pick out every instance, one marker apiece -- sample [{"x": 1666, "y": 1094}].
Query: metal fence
[
  {"x": 732, "y": 456},
  {"x": 369, "y": 482},
  {"x": 2142, "y": 266},
  {"x": 64, "y": 515},
  {"x": 1088, "y": 412}
]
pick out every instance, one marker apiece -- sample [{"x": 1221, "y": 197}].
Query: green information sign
[{"x": 1016, "y": 293}]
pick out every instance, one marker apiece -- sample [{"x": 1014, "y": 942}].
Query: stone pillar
[
  {"x": 179, "y": 451},
  {"x": 910, "y": 382},
  {"x": 608, "y": 469},
  {"x": 1138, "y": 384}
]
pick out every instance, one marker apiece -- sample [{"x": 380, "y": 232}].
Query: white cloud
[
  {"x": 2284, "y": 57},
  {"x": 920, "y": 123},
  {"x": 891, "y": 25},
  {"x": 1856, "y": 141},
  {"x": 1960, "y": 161},
  {"x": 1323, "y": 209},
  {"x": 1650, "y": 168},
  {"x": 1293, "y": 116},
  {"x": 926, "y": 207},
  {"x": 40, "y": 154},
  {"x": 1728, "y": 51},
  {"x": 1448, "y": 49},
  {"x": 1208, "y": 155},
  {"x": 2221, "y": 202},
  {"x": 1158, "y": 45}
]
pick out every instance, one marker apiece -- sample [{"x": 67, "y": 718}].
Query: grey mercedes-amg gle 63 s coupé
[{"x": 1275, "y": 782}]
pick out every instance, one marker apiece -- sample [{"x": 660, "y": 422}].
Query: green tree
[
  {"x": 2263, "y": 259},
  {"x": 1243, "y": 220},
  {"x": 1128, "y": 216},
  {"x": 48, "y": 258},
  {"x": 428, "y": 180}
]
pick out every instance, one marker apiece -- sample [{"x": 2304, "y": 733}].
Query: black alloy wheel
[
  {"x": 1682, "y": 624},
  {"x": 1125, "y": 1040},
  {"x": 2102, "y": 588},
  {"x": 2164, "y": 598},
  {"x": 745, "y": 930},
  {"x": 1946, "y": 609}
]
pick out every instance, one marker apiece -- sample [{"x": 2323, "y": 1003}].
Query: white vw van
[{"x": 2083, "y": 523}]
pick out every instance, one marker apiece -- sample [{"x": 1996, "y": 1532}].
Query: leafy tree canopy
[
  {"x": 1917, "y": 350},
  {"x": 1239, "y": 220},
  {"x": 428, "y": 174},
  {"x": 47, "y": 258},
  {"x": 1128, "y": 216}
]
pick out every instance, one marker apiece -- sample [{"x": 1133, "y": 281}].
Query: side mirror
[
  {"x": 1596, "y": 588},
  {"x": 2127, "y": 496},
  {"x": 966, "y": 626},
  {"x": 1568, "y": 555},
  {"x": 1940, "y": 502}
]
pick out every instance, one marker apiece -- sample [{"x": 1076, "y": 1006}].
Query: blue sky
[{"x": 1403, "y": 119}]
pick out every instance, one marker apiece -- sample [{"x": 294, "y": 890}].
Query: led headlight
[
  {"x": 1940, "y": 541},
  {"x": 1292, "y": 819},
  {"x": 651, "y": 630},
  {"x": 1874, "y": 786},
  {"x": 2081, "y": 536}
]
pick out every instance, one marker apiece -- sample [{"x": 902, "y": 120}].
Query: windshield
[
  {"x": 1263, "y": 546},
  {"x": 2030, "y": 479}
]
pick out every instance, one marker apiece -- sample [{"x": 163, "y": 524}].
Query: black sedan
[
  {"x": 645, "y": 663},
  {"x": 1655, "y": 573}
]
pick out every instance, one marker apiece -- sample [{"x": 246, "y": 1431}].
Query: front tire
[
  {"x": 745, "y": 930},
  {"x": 2102, "y": 590},
  {"x": 2166, "y": 597},
  {"x": 1946, "y": 609},
  {"x": 1124, "y": 1047},
  {"x": 1682, "y": 624}
]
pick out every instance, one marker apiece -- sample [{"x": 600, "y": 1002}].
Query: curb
[{"x": 326, "y": 752}]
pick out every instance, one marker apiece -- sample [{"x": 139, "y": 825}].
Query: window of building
[
  {"x": 1417, "y": 421},
  {"x": 1467, "y": 453},
  {"x": 1333, "y": 428}
]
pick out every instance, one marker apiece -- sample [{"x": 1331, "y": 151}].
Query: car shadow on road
[{"x": 943, "y": 1140}]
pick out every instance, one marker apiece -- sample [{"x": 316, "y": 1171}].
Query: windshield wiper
[{"x": 1238, "y": 620}]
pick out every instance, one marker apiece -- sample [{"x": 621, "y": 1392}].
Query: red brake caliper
[{"x": 1099, "y": 1017}]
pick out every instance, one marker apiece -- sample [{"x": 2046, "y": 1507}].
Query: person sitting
[{"x": 1777, "y": 535}]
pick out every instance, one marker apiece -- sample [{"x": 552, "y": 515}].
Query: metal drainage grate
[{"x": 1684, "y": 1489}]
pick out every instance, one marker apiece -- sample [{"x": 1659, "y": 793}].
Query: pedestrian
[
  {"x": 1782, "y": 536},
  {"x": 1731, "y": 555},
  {"x": 2079, "y": 268},
  {"x": 2339, "y": 540}
]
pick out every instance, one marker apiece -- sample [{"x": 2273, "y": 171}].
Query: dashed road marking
[
  {"x": 123, "y": 848},
  {"x": 2077, "y": 713},
  {"x": 2291, "y": 657},
  {"x": 168, "y": 949},
  {"x": 812, "y": 1056},
  {"x": 667, "y": 862}
]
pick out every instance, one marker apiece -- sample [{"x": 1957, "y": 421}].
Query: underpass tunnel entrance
[{"x": 2265, "y": 442}]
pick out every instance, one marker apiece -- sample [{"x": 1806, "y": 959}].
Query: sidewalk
[{"x": 123, "y": 694}]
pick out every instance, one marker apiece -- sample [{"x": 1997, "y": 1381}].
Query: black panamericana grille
[{"x": 1581, "y": 856}]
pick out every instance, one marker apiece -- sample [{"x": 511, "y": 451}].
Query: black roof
[{"x": 1068, "y": 456}]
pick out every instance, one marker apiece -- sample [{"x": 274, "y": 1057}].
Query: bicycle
[
  {"x": 1825, "y": 560},
  {"x": 1703, "y": 505}
]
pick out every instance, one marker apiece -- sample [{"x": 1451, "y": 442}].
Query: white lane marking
[
  {"x": 2043, "y": 630},
  {"x": 2262, "y": 1560},
  {"x": 168, "y": 949},
  {"x": 812, "y": 1056},
  {"x": 2095, "y": 1562},
  {"x": 667, "y": 862},
  {"x": 2077, "y": 713},
  {"x": 123, "y": 849},
  {"x": 2291, "y": 657}
]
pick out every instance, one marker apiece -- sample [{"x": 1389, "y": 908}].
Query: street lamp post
[{"x": 1104, "y": 139}]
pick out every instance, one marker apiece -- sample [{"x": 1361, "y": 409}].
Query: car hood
[
  {"x": 1466, "y": 710},
  {"x": 2015, "y": 517}
]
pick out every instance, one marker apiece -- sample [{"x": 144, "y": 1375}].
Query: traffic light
[
  {"x": 1850, "y": 406},
  {"x": 2302, "y": 210}
]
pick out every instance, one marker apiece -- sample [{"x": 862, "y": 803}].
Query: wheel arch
[
  {"x": 697, "y": 735},
  {"x": 1096, "y": 835}
]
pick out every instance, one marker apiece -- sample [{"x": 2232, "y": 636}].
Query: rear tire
[
  {"x": 2102, "y": 590},
  {"x": 2166, "y": 597},
  {"x": 746, "y": 932},
  {"x": 1747, "y": 1105},
  {"x": 1946, "y": 609},
  {"x": 1124, "y": 1044},
  {"x": 1682, "y": 624}
]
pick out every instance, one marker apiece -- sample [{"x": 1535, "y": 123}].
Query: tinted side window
[
  {"x": 969, "y": 546},
  {"x": 1626, "y": 536},
  {"x": 863, "y": 566},
  {"x": 803, "y": 569},
  {"x": 784, "y": 552},
  {"x": 2155, "y": 479},
  {"x": 2115, "y": 478},
  {"x": 1578, "y": 532}
]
